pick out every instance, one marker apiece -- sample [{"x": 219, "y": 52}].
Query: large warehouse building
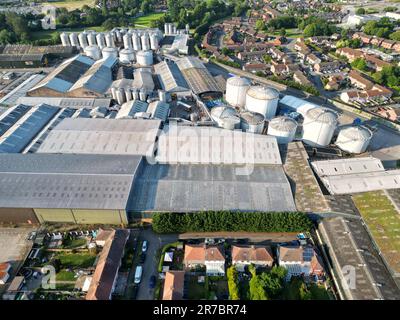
[{"x": 66, "y": 188}]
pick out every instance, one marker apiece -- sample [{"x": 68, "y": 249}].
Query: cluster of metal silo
[
  {"x": 319, "y": 126},
  {"x": 144, "y": 58},
  {"x": 169, "y": 29},
  {"x": 124, "y": 94},
  {"x": 354, "y": 139},
  {"x": 226, "y": 117},
  {"x": 283, "y": 128},
  {"x": 262, "y": 100},
  {"x": 252, "y": 122},
  {"x": 127, "y": 55},
  {"x": 236, "y": 88},
  {"x": 93, "y": 52}
]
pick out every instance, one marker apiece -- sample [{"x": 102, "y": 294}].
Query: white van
[{"x": 138, "y": 274}]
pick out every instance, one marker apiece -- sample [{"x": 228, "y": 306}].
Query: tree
[
  {"x": 360, "y": 11},
  {"x": 310, "y": 30},
  {"x": 256, "y": 286},
  {"x": 260, "y": 24},
  {"x": 359, "y": 64},
  {"x": 282, "y": 32},
  {"x": 233, "y": 283},
  {"x": 395, "y": 36},
  {"x": 5, "y": 36}
]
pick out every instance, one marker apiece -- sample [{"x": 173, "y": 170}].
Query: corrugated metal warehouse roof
[
  {"x": 61, "y": 102},
  {"x": 170, "y": 77},
  {"x": 142, "y": 79},
  {"x": 188, "y": 188},
  {"x": 347, "y": 166},
  {"x": 102, "y": 136},
  {"x": 15, "y": 140},
  {"x": 66, "y": 181},
  {"x": 197, "y": 76},
  {"x": 183, "y": 144},
  {"x": 130, "y": 108},
  {"x": 11, "y": 116},
  {"x": 299, "y": 105}
]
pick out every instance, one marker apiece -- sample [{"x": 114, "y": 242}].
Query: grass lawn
[
  {"x": 196, "y": 291},
  {"x": 145, "y": 21},
  {"x": 383, "y": 222},
  {"x": 74, "y": 243},
  {"x": 65, "y": 275},
  {"x": 77, "y": 260},
  {"x": 71, "y": 4}
]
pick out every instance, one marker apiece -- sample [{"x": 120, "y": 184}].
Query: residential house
[
  {"x": 174, "y": 285},
  {"x": 212, "y": 257},
  {"x": 359, "y": 81},
  {"x": 276, "y": 53},
  {"x": 396, "y": 47},
  {"x": 389, "y": 113},
  {"x": 260, "y": 257},
  {"x": 4, "y": 269},
  {"x": 299, "y": 77},
  {"x": 387, "y": 44},
  {"x": 331, "y": 66},
  {"x": 375, "y": 63},
  {"x": 287, "y": 60},
  {"x": 349, "y": 53},
  {"x": 312, "y": 59},
  {"x": 300, "y": 261},
  {"x": 376, "y": 41},
  {"x": 279, "y": 69},
  {"x": 334, "y": 82},
  {"x": 105, "y": 275},
  {"x": 255, "y": 67}
]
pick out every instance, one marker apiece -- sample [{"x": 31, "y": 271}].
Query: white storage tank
[
  {"x": 118, "y": 36},
  {"x": 144, "y": 58},
  {"x": 170, "y": 29},
  {"x": 236, "y": 88},
  {"x": 263, "y": 100},
  {"x": 173, "y": 29},
  {"x": 318, "y": 126},
  {"x": 166, "y": 28},
  {"x": 65, "y": 39},
  {"x": 91, "y": 37},
  {"x": 143, "y": 95},
  {"x": 73, "y": 39},
  {"x": 126, "y": 56},
  {"x": 109, "y": 40},
  {"x": 82, "y": 37},
  {"x": 154, "y": 41},
  {"x": 128, "y": 94},
  {"x": 283, "y": 128},
  {"x": 127, "y": 41},
  {"x": 136, "y": 42},
  {"x": 101, "y": 42},
  {"x": 162, "y": 95},
  {"x": 354, "y": 139},
  {"x": 93, "y": 52},
  {"x": 252, "y": 122},
  {"x": 145, "y": 42},
  {"x": 120, "y": 96},
  {"x": 225, "y": 117},
  {"x": 114, "y": 93},
  {"x": 135, "y": 94},
  {"x": 110, "y": 52}
]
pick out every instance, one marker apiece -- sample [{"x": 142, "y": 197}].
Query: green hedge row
[{"x": 214, "y": 221}]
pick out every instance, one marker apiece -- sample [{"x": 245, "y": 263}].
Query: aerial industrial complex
[{"x": 238, "y": 174}]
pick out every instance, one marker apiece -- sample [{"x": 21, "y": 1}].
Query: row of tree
[{"x": 214, "y": 221}]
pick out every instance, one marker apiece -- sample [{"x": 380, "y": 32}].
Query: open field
[
  {"x": 383, "y": 222},
  {"x": 146, "y": 20},
  {"x": 71, "y": 5}
]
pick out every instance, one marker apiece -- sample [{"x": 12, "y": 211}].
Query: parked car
[
  {"x": 138, "y": 274},
  {"x": 144, "y": 246},
  {"x": 152, "y": 282}
]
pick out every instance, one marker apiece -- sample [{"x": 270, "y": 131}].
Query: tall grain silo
[
  {"x": 101, "y": 42},
  {"x": 236, "y": 88},
  {"x": 252, "y": 122},
  {"x": 170, "y": 29},
  {"x": 109, "y": 40},
  {"x": 136, "y": 42},
  {"x": 263, "y": 100},
  {"x": 144, "y": 58},
  {"x": 283, "y": 128},
  {"x": 126, "y": 56},
  {"x": 73, "y": 39},
  {"x": 110, "y": 52},
  {"x": 354, "y": 139},
  {"x": 173, "y": 29},
  {"x": 154, "y": 42},
  {"x": 93, "y": 52},
  {"x": 142, "y": 95},
  {"x": 118, "y": 36},
  {"x": 225, "y": 117},
  {"x": 65, "y": 39},
  {"x": 82, "y": 37},
  {"x": 318, "y": 126},
  {"x": 91, "y": 38},
  {"x": 127, "y": 38},
  {"x": 114, "y": 93},
  {"x": 145, "y": 42},
  {"x": 128, "y": 94},
  {"x": 166, "y": 28},
  {"x": 121, "y": 98}
]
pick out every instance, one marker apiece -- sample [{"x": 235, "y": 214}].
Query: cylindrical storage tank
[
  {"x": 166, "y": 28},
  {"x": 109, "y": 40},
  {"x": 143, "y": 95},
  {"x": 145, "y": 42},
  {"x": 73, "y": 39},
  {"x": 91, "y": 37},
  {"x": 144, "y": 58},
  {"x": 187, "y": 28},
  {"x": 354, "y": 139},
  {"x": 136, "y": 42},
  {"x": 252, "y": 122},
  {"x": 225, "y": 117},
  {"x": 101, "y": 42},
  {"x": 126, "y": 56},
  {"x": 82, "y": 37},
  {"x": 170, "y": 28},
  {"x": 127, "y": 41},
  {"x": 318, "y": 126},
  {"x": 162, "y": 95},
  {"x": 120, "y": 96},
  {"x": 114, "y": 93},
  {"x": 135, "y": 94},
  {"x": 283, "y": 128},
  {"x": 236, "y": 88},
  {"x": 263, "y": 100},
  {"x": 128, "y": 94},
  {"x": 118, "y": 36},
  {"x": 93, "y": 52},
  {"x": 65, "y": 39},
  {"x": 154, "y": 42},
  {"x": 110, "y": 52}
]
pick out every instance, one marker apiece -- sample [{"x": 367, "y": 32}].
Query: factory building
[
  {"x": 297, "y": 105},
  {"x": 170, "y": 77},
  {"x": 8, "y": 61},
  {"x": 75, "y": 103},
  {"x": 83, "y": 189},
  {"x": 199, "y": 79},
  {"x": 102, "y": 136}
]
